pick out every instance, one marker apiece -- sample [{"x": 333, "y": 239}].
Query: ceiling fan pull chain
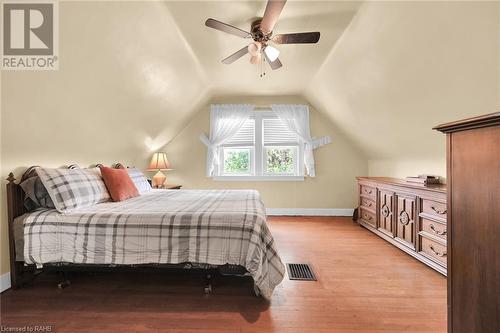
[{"x": 262, "y": 67}]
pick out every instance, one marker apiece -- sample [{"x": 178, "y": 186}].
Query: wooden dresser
[
  {"x": 410, "y": 216},
  {"x": 473, "y": 179}
]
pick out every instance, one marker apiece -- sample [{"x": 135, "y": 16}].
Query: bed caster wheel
[{"x": 63, "y": 284}]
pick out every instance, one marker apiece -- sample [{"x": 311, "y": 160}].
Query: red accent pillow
[{"x": 119, "y": 184}]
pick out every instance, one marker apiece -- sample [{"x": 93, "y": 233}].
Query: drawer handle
[
  {"x": 437, "y": 211},
  {"x": 437, "y": 232},
  {"x": 437, "y": 253},
  {"x": 367, "y": 204},
  {"x": 367, "y": 217},
  {"x": 368, "y": 192}
]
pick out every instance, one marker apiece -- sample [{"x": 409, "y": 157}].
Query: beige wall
[
  {"x": 337, "y": 164},
  {"x": 402, "y": 167},
  {"x": 4, "y": 254},
  {"x": 403, "y": 67},
  {"x": 498, "y": 62}
]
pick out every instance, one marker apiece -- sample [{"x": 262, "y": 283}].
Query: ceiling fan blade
[
  {"x": 273, "y": 64},
  {"x": 235, "y": 56},
  {"x": 211, "y": 23},
  {"x": 271, "y": 15},
  {"x": 276, "y": 64},
  {"x": 297, "y": 38}
]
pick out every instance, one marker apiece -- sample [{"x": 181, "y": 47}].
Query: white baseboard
[
  {"x": 4, "y": 281},
  {"x": 310, "y": 211}
]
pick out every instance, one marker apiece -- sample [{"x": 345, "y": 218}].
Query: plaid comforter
[{"x": 200, "y": 226}]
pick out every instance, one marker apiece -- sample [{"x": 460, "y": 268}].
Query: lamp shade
[{"x": 159, "y": 161}]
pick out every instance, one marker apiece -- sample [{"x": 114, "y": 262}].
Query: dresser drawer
[
  {"x": 433, "y": 250},
  {"x": 368, "y": 204},
  {"x": 368, "y": 191},
  {"x": 433, "y": 228},
  {"x": 434, "y": 208},
  {"x": 368, "y": 217}
]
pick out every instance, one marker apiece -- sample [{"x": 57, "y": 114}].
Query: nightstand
[
  {"x": 168, "y": 186},
  {"x": 171, "y": 187}
]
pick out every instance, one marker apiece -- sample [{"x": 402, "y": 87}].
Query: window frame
[{"x": 258, "y": 159}]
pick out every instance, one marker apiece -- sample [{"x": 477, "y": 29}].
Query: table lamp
[{"x": 159, "y": 162}]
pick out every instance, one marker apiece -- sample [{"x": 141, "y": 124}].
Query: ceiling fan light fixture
[
  {"x": 272, "y": 53},
  {"x": 254, "y": 48},
  {"x": 254, "y": 60}
]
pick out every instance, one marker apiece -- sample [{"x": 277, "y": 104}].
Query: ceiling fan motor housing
[{"x": 257, "y": 34}]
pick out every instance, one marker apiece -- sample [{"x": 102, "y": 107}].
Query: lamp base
[{"x": 159, "y": 180}]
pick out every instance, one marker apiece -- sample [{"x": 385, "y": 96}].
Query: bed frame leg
[
  {"x": 16, "y": 275},
  {"x": 65, "y": 282},
  {"x": 208, "y": 283}
]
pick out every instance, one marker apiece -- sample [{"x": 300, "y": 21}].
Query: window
[
  {"x": 263, "y": 149},
  {"x": 280, "y": 148},
  {"x": 237, "y": 153}
]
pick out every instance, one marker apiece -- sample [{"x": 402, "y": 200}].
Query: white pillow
[
  {"x": 139, "y": 180},
  {"x": 71, "y": 189}
]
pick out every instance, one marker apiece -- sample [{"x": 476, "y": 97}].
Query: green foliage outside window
[
  {"x": 280, "y": 160},
  {"x": 237, "y": 161}
]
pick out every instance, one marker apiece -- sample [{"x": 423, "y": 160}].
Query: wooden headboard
[{"x": 15, "y": 208}]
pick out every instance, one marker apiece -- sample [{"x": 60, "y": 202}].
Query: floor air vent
[{"x": 302, "y": 272}]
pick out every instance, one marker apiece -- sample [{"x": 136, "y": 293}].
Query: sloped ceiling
[
  {"x": 118, "y": 60},
  {"x": 402, "y": 68},
  {"x": 150, "y": 66},
  {"x": 383, "y": 72}
]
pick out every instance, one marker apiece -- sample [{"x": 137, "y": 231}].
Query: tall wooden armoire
[{"x": 473, "y": 187}]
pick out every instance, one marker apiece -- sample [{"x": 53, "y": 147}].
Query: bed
[{"x": 160, "y": 227}]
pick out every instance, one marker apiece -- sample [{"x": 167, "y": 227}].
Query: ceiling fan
[{"x": 261, "y": 32}]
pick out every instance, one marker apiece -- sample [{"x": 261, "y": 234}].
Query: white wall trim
[
  {"x": 310, "y": 211},
  {"x": 4, "y": 281}
]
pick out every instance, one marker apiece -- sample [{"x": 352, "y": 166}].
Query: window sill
[{"x": 259, "y": 178}]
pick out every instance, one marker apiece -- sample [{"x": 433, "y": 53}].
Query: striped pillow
[
  {"x": 139, "y": 180},
  {"x": 71, "y": 189}
]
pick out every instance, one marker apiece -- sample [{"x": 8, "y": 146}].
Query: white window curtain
[
  {"x": 225, "y": 121},
  {"x": 296, "y": 119}
]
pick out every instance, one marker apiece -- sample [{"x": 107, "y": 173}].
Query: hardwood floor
[{"x": 364, "y": 285}]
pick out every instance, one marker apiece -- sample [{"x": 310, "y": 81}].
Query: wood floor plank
[{"x": 364, "y": 285}]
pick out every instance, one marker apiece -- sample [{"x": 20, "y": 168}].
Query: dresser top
[
  {"x": 401, "y": 182},
  {"x": 487, "y": 120}
]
